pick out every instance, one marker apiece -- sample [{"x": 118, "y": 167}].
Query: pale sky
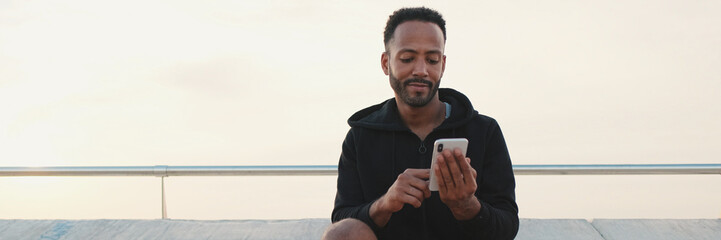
[{"x": 96, "y": 83}]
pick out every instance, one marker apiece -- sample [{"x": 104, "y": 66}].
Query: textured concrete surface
[
  {"x": 659, "y": 229},
  {"x": 656, "y": 229},
  {"x": 541, "y": 229},
  {"x": 162, "y": 229}
]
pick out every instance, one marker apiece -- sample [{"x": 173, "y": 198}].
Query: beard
[{"x": 413, "y": 99}]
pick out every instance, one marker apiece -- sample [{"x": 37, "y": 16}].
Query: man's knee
[{"x": 348, "y": 228}]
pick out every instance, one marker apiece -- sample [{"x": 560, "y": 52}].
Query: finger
[
  {"x": 416, "y": 194},
  {"x": 425, "y": 189},
  {"x": 468, "y": 176},
  {"x": 460, "y": 159},
  {"x": 458, "y": 154},
  {"x": 412, "y": 200},
  {"x": 417, "y": 178},
  {"x": 419, "y": 173},
  {"x": 475, "y": 174},
  {"x": 442, "y": 188},
  {"x": 419, "y": 194},
  {"x": 404, "y": 193},
  {"x": 463, "y": 164},
  {"x": 446, "y": 175},
  {"x": 453, "y": 167}
]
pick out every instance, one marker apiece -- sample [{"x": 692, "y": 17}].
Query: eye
[
  {"x": 406, "y": 60},
  {"x": 433, "y": 61}
]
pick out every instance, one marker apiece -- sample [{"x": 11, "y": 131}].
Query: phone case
[{"x": 438, "y": 147}]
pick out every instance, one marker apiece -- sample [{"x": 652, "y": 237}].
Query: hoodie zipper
[{"x": 422, "y": 149}]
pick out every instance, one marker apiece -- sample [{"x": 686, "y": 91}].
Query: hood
[{"x": 385, "y": 116}]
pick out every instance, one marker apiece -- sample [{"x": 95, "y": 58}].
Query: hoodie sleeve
[
  {"x": 498, "y": 218},
  {"x": 349, "y": 200}
]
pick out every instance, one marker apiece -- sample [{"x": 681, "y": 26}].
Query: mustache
[{"x": 418, "y": 80}]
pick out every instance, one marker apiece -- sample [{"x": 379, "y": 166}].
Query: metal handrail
[
  {"x": 617, "y": 169},
  {"x": 164, "y": 171},
  {"x": 326, "y": 170},
  {"x": 167, "y": 171}
]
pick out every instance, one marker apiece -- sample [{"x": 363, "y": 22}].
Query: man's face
[{"x": 414, "y": 62}]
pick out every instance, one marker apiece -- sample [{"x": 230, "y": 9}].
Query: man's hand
[
  {"x": 410, "y": 187},
  {"x": 457, "y": 184}
]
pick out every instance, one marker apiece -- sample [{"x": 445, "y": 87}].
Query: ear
[
  {"x": 385, "y": 61},
  {"x": 443, "y": 66}
]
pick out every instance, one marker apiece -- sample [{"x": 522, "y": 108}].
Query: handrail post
[
  {"x": 164, "y": 209},
  {"x": 162, "y": 172}
]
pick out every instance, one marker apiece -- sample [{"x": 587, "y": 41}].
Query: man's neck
[{"x": 422, "y": 120}]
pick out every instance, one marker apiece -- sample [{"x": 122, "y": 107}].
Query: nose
[{"x": 420, "y": 69}]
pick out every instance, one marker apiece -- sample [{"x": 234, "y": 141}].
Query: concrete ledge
[
  {"x": 541, "y": 229},
  {"x": 162, "y": 229},
  {"x": 656, "y": 229}
]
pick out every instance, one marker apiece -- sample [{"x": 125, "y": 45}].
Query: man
[{"x": 385, "y": 164}]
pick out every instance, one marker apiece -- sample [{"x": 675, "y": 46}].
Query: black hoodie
[{"x": 379, "y": 147}]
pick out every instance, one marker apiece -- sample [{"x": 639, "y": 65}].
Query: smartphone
[{"x": 438, "y": 147}]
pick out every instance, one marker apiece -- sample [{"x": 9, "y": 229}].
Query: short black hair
[{"x": 402, "y": 15}]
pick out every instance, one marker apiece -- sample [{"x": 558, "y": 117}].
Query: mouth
[
  {"x": 418, "y": 87},
  {"x": 418, "y": 83}
]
